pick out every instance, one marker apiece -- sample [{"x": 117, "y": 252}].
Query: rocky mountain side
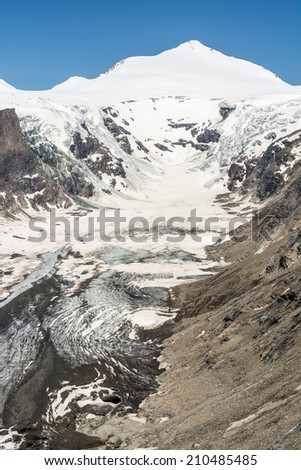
[
  {"x": 232, "y": 378},
  {"x": 23, "y": 175}
]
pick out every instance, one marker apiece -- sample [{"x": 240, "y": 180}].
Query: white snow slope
[{"x": 191, "y": 70}]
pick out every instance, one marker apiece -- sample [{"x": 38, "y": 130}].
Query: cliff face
[
  {"x": 10, "y": 132},
  {"x": 24, "y": 179}
]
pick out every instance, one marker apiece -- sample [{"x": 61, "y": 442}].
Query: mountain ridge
[{"x": 190, "y": 69}]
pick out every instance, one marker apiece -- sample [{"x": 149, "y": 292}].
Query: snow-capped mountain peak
[{"x": 191, "y": 70}]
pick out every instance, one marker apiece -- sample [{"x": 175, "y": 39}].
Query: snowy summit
[{"x": 191, "y": 70}]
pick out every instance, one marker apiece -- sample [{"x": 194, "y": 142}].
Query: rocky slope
[
  {"x": 22, "y": 173},
  {"x": 232, "y": 378}
]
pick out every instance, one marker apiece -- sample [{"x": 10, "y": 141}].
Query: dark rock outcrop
[
  {"x": 102, "y": 163},
  {"x": 182, "y": 125},
  {"x": 236, "y": 174},
  {"x": 142, "y": 147},
  {"x": 225, "y": 109},
  {"x": 265, "y": 175},
  {"x": 269, "y": 168},
  {"x": 83, "y": 148},
  {"x": 111, "y": 112},
  {"x": 113, "y": 128},
  {"x": 24, "y": 178},
  {"x": 208, "y": 136},
  {"x": 120, "y": 134},
  {"x": 162, "y": 147}
]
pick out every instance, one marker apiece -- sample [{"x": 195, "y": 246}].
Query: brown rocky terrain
[
  {"x": 24, "y": 178},
  {"x": 232, "y": 378}
]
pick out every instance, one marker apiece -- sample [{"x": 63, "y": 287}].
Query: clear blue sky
[{"x": 42, "y": 43}]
